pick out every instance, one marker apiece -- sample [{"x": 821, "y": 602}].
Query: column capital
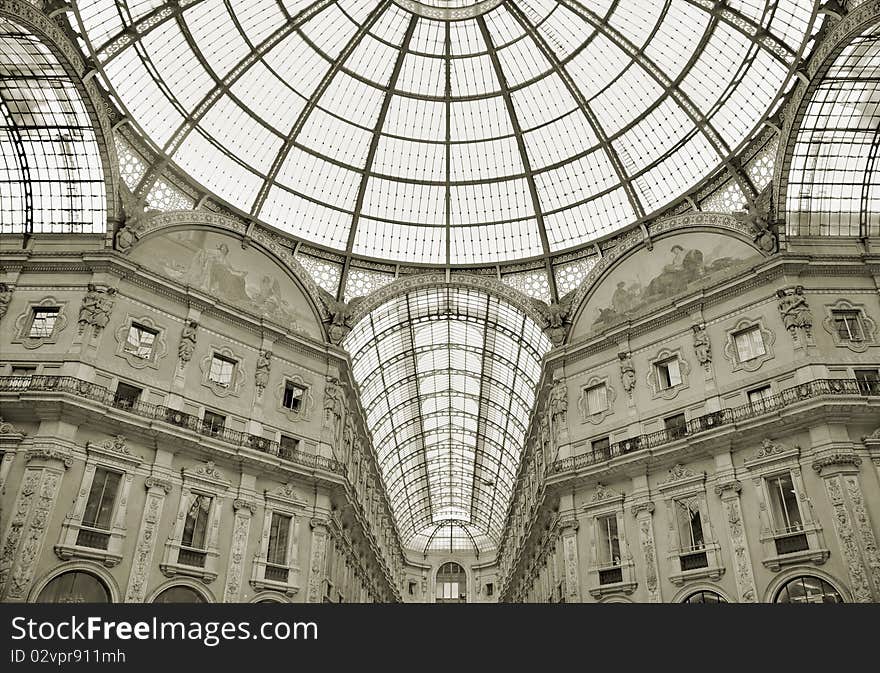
[
  {"x": 641, "y": 508},
  {"x": 47, "y": 452},
  {"x": 245, "y": 506},
  {"x": 839, "y": 460},
  {"x": 319, "y": 523},
  {"x": 728, "y": 487},
  {"x": 151, "y": 483}
]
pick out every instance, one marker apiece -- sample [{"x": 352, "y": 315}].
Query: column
[
  {"x": 318, "y": 553},
  {"x": 644, "y": 514},
  {"x": 729, "y": 491},
  {"x": 855, "y": 535},
  {"x": 569, "y": 529},
  {"x": 45, "y": 469},
  {"x": 157, "y": 489},
  {"x": 241, "y": 526}
]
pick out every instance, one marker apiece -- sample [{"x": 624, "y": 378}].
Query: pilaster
[
  {"x": 317, "y": 558},
  {"x": 157, "y": 489},
  {"x": 729, "y": 490}
]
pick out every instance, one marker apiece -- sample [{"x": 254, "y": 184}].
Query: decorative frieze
[
  {"x": 244, "y": 511},
  {"x": 846, "y": 536},
  {"x": 318, "y": 556},
  {"x": 157, "y": 489},
  {"x": 27, "y": 530}
]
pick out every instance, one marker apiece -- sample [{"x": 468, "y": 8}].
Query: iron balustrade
[
  {"x": 715, "y": 419},
  {"x": 95, "y": 393}
]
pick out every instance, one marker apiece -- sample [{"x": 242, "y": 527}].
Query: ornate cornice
[
  {"x": 45, "y": 452},
  {"x": 842, "y": 458}
]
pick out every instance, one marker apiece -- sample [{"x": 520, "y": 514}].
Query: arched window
[
  {"x": 705, "y": 597},
  {"x": 808, "y": 589},
  {"x": 179, "y": 594},
  {"x": 75, "y": 586},
  {"x": 451, "y": 584}
]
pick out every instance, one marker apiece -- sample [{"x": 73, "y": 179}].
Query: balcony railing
[
  {"x": 96, "y": 393},
  {"x": 715, "y": 419}
]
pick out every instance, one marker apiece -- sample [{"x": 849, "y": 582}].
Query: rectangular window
[
  {"x": 597, "y": 399},
  {"x": 213, "y": 423},
  {"x": 608, "y": 543},
  {"x": 43, "y": 322},
  {"x": 140, "y": 341},
  {"x": 784, "y": 504},
  {"x": 758, "y": 397},
  {"x": 601, "y": 447},
  {"x": 668, "y": 373},
  {"x": 293, "y": 396},
  {"x": 195, "y": 528},
  {"x": 126, "y": 395},
  {"x": 490, "y": 589},
  {"x": 279, "y": 535},
  {"x": 749, "y": 344},
  {"x": 848, "y": 325},
  {"x": 289, "y": 447},
  {"x": 412, "y": 588},
  {"x": 690, "y": 525},
  {"x": 102, "y": 498},
  {"x": 868, "y": 380},
  {"x": 676, "y": 426},
  {"x": 221, "y": 370}
]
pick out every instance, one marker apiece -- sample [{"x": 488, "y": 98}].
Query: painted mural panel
[
  {"x": 218, "y": 266},
  {"x": 676, "y": 264}
]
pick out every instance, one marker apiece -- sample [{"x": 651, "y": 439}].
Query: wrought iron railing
[
  {"x": 710, "y": 421},
  {"x": 96, "y": 393}
]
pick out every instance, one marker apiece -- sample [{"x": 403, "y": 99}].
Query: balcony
[
  {"x": 191, "y": 557},
  {"x": 90, "y": 537},
  {"x": 716, "y": 419},
  {"x": 95, "y": 393}
]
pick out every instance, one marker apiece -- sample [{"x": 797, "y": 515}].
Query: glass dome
[{"x": 447, "y": 132}]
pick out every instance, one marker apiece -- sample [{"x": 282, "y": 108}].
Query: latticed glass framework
[
  {"x": 447, "y": 131},
  {"x": 448, "y": 378},
  {"x": 833, "y": 185},
  {"x": 51, "y": 177}
]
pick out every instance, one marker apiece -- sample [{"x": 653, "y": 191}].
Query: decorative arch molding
[
  {"x": 272, "y": 245},
  {"x": 90, "y": 567},
  {"x": 269, "y": 596},
  {"x": 408, "y": 284},
  {"x": 834, "y": 41},
  {"x": 697, "y": 587},
  {"x": 200, "y": 589},
  {"x": 70, "y": 58},
  {"x": 798, "y": 571},
  {"x": 634, "y": 240}
]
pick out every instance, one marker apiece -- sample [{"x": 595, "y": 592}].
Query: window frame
[
  {"x": 112, "y": 455},
  {"x": 866, "y": 324},
  {"x": 607, "y": 503},
  {"x": 731, "y": 349},
  {"x": 660, "y": 363},
  {"x": 281, "y": 501},
  {"x": 587, "y": 414},
  {"x": 158, "y": 349},
  {"x": 24, "y": 322}
]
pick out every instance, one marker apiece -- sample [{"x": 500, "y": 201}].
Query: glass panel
[
  {"x": 279, "y": 534},
  {"x": 102, "y": 498},
  {"x": 43, "y": 323},
  {"x": 749, "y": 344},
  {"x": 784, "y": 504},
  {"x": 140, "y": 341},
  {"x": 196, "y": 524},
  {"x": 221, "y": 370},
  {"x": 75, "y": 587},
  {"x": 608, "y": 545}
]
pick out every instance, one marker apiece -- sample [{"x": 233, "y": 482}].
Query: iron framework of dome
[{"x": 446, "y": 132}]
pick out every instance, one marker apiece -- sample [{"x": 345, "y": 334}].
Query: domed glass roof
[{"x": 447, "y": 131}]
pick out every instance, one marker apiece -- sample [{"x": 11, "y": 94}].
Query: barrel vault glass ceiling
[
  {"x": 446, "y": 131},
  {"x": 448, "y": 379}
]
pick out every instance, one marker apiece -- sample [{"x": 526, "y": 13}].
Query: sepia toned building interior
[{"x": 440, "y": 301}]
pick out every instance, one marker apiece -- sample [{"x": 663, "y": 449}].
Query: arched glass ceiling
[
  {"x": 447, "y": 377},
  {"x": 520, "y": 129},
  {"x": 833, "y": 185},
  {"x": 51, "y": 177}
]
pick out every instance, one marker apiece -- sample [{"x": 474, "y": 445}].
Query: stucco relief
[
  {"x": 861, "y": 589},
  {"x": 866, "y": 532},
  {"x": 316, "y": 562},
  {"x": 146, "y": 541},
  {"x": 240, "y": 533},
  {"x": 742, "y": 562}
]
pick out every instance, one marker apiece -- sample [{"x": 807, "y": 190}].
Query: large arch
[
  {"x": 827, "y": 162},
  {"x": 95, "y": 123}
]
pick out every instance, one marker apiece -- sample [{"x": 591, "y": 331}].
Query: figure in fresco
[
  {"x": 212, "y": 271},
  {"x": 684, "y": 267}
]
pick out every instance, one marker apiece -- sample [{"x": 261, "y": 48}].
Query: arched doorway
[
  {"x": 75, "y": 586},
  {"x": 179, "y": 594},
  {"x": 451, "y": 584},
  {"x": 808, "y": 589}
]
